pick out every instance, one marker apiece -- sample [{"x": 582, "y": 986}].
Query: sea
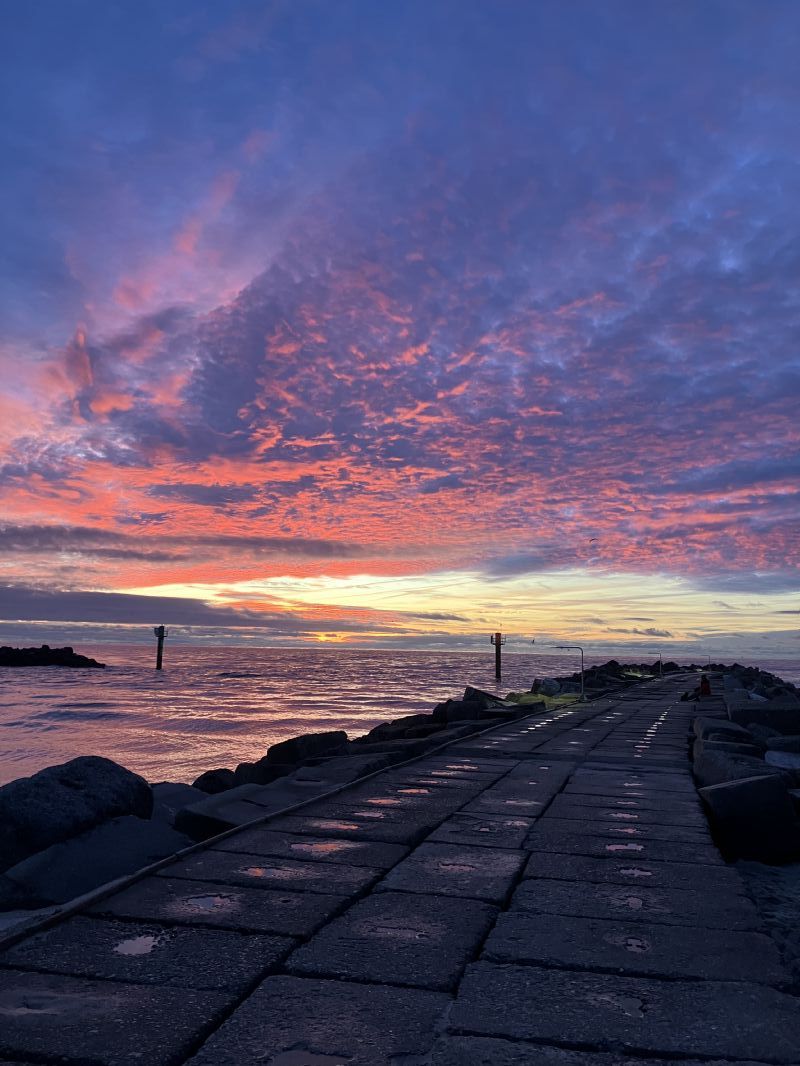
[{"x": 211, "y": 706}]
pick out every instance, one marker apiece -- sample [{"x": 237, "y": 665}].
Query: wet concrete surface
[
  {"x": 546, "y": 894},
  {"x": 705, "y": 1018},
  {"x": 659, "y": 906},
  {"x": 290, "y": 1021},
  {"x": 151, "y": 954},
  {"x": 400, "y": 939}
]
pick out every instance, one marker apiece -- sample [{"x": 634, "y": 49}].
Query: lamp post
[{"x": 575, "y": 647}]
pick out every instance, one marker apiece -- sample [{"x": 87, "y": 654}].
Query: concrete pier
[{"x": 544, "y": 894}]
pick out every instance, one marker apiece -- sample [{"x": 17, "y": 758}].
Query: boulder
[
  {"x": 215, "y": 781},
  {"x": 784, "y": 743},
  {"x": 549, "y": 687},
  {"x": 261, "y": 772},
  {"x": 422, "y": 730},
  {"x": 304, "y": 747},
  {"x": 705, "y": 726},
  {"x": 716, "y": 767},
  {"x": 781, "y": 714},
  {"x": 753, "y": 818},
  {"x": 340, "y": 771},
  {"x": 700, "y": 746},
  {"x": 398, "y": 728},
  {"x": 785, "y": 760},
  {"x": 62, "y": 801},
  {"x": 114, "y": 849},
  {"x": 219, "y": 812},
  {"x": 396, "y": 750},
  {"x": 170, "y": 796},
  {"x": 761, "y": 732},
  {"x": 484, "y": 699}
]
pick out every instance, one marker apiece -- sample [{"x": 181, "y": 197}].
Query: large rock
[
  {"x": 170, "y": 796},
  {"x": 483, "y": 699},
  {"x": 261, "y": 772},
  {"x": 753, "y": 818},
  {"x": 784, "y": 744},
  {"x": 785, "y": 760},
  {"x": 215, "y": 781},
  {"x": 298, "y": 749},
  {"x": 762, "y": 733},
  {"x": 398, "y": 728},
  {"x": 704, "y": 727},
  {"x": 781, "y": 714},
  {"x": 340, "y": 771},
  {"x": 112, "y": 850},
  {"x": 547, "y": 687},
  {"x": 716, "y": 767},
  {"x": 700, "y": 746},
  {"x": 63, "y": 801}
]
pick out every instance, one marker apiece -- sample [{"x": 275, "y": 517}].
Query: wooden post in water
[
  {"x": 498, "y": 640},
  {"x": 160, "y": 633}
]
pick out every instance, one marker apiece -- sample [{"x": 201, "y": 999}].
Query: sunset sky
[{"x": 394, "y": 324}]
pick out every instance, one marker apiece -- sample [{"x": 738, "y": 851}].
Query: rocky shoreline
[
  {"x": 72, "y": 828},
  {"x": 47, "y": 656},
  {"x": 745, "y": 751}
]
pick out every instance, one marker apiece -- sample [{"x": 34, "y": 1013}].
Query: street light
[{"x": 575, "y": 647}]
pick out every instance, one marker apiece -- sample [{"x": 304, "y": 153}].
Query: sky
[{"x": 398, "y": 324}]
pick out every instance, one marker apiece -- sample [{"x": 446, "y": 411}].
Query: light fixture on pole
[{"x": 575, "y": 647}]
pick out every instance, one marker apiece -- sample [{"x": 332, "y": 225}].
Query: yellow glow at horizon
[{"x": 569, "y": 603}]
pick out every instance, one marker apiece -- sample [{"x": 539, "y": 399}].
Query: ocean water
[{"x": 213, "y": 707}]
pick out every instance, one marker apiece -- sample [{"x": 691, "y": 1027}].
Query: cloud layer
[{"x": 346, "y": 292}]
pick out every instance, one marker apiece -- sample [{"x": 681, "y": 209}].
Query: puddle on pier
[
  {"x": 320, "y": 847},
  {"x": 635, "y": 871},
  {"x": 394, "y": 932},
  {"x": 633, "y": 903},
  {"x": 624, "y": 847},
  {"x": 137, "y": 945},
  {"x": 637, "y": 945},
  {"x": 628, "y": 1005},
  {"x": 340, "y": 826},
  {"x": 205, "y": 904}
]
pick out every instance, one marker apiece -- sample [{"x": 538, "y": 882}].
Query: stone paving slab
[
  {"x": 634, "y": 872},
  {"x": 457, "y": 870},
  {"x": 600, "y": 847},
  {"x": 478, "y": 764},
  {"x": 625, "y": 829},
  {"x": 259, "y": 872},
  {"x": 151, "y": 954},
  {"x": 398, "y": 938},
  {"x": 267, "y": 843},
  {"x": 290, "y": 1021},
  {"x": 527, "y": 803},
  {"x": 538, "y": 771},
  {"x": 490, "y": 1051},
  {"x": 671, "y": 906},
  {"x": 680, "y": 783},
  {"x": 603, "y": 801},
  {"x": 102, "y": 1023},
  {"x": 353, "y": 827},
  {"x": 484, "y": 830},
  {"x": 565, "y": 807},
  {"x": 175, "y": 901},
  {"x": 627, "y": 947},
  {"x": 629, "y": 1014}
]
